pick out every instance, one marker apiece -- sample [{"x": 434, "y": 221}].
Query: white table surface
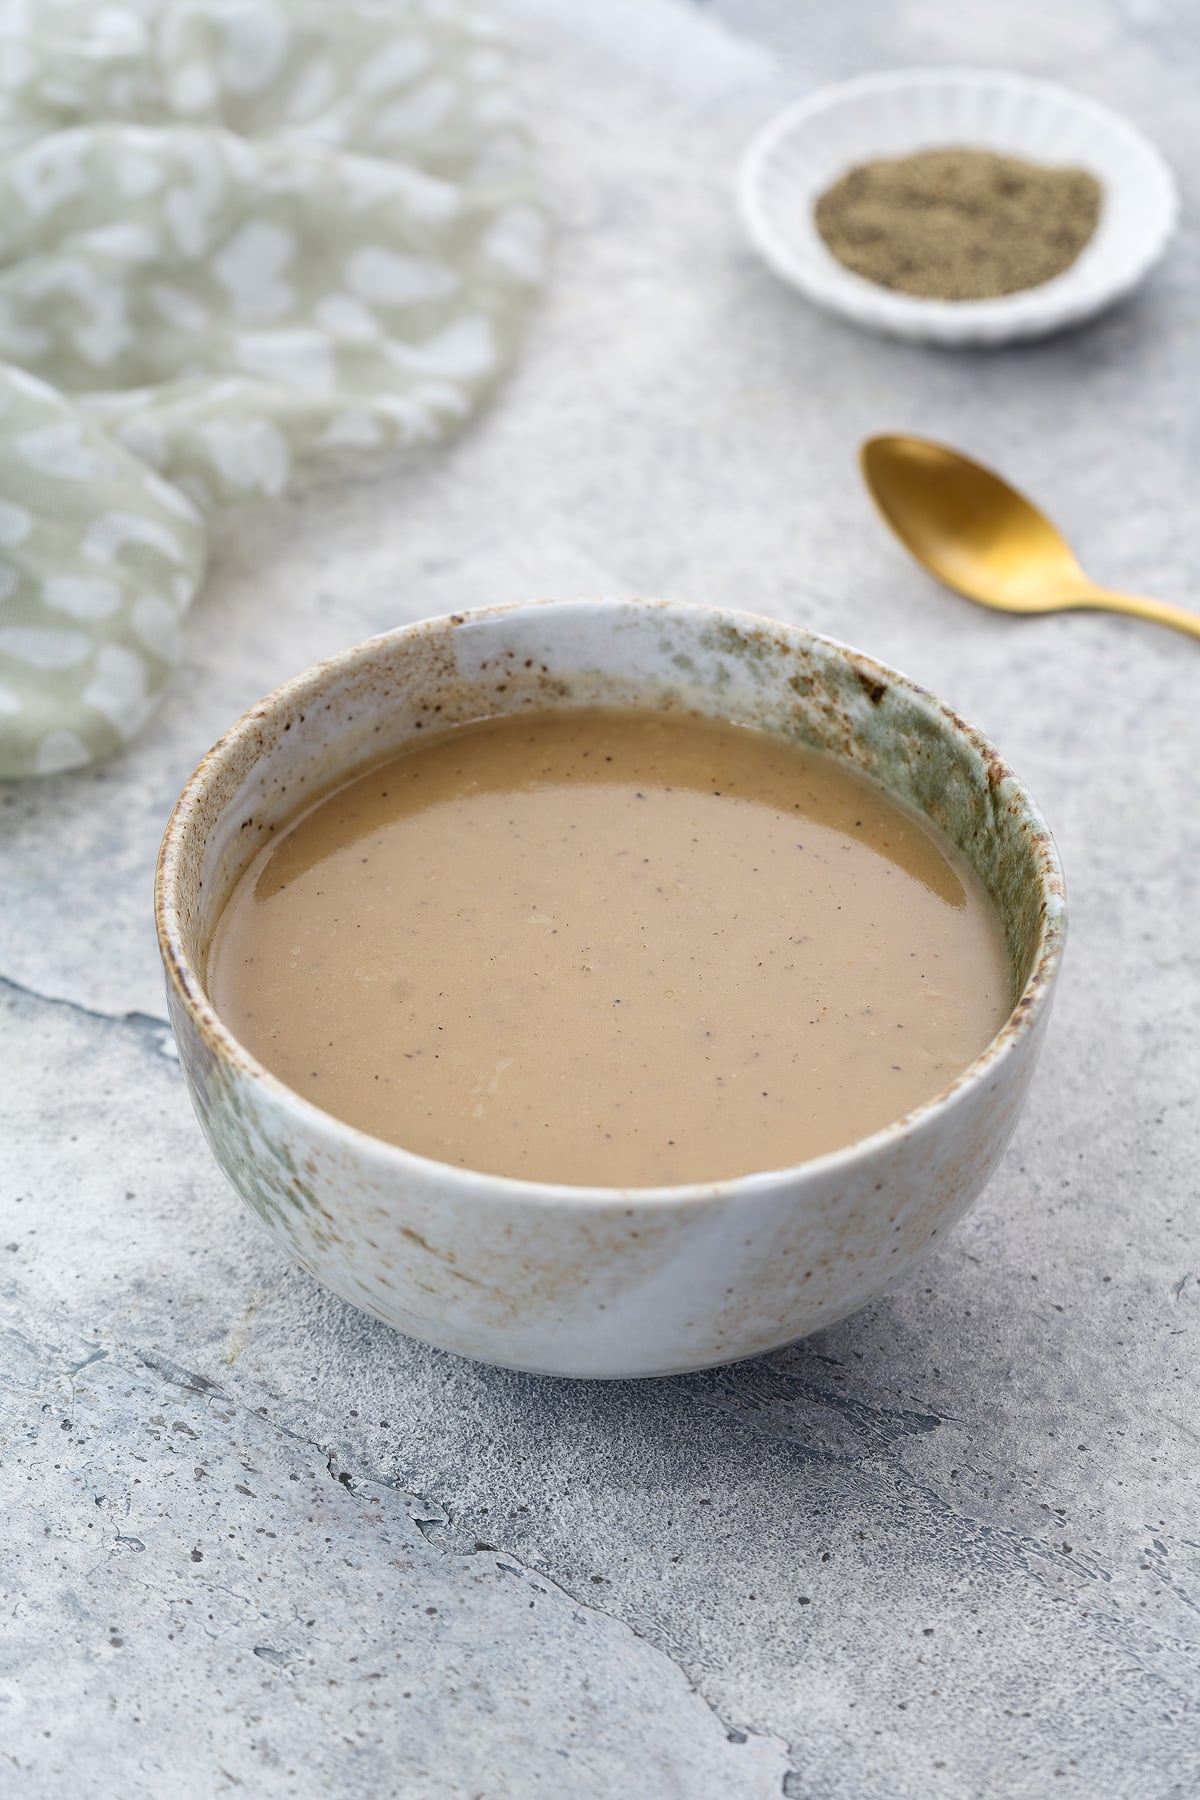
[{"x": 253, "y": 1542}]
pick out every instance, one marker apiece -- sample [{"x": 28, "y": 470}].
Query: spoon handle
[{"x": 1159, "y": 612}]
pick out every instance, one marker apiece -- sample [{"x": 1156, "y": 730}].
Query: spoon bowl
[{"x": 979, "y": 536}]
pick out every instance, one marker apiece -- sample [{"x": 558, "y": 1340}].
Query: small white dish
[{"x": 803, "y": 151}]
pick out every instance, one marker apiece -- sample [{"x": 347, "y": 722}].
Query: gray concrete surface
[{"x": 254, "y": 1543}]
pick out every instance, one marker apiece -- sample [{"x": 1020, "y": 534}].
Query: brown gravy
[{"x": 611, "y": 948}]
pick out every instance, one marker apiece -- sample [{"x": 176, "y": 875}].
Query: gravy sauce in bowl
[
  {"x": 612, "y": 948},
  {"x": 513, "y": 899}
]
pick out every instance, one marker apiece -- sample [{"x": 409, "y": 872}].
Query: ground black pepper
[{"x": 959, "y": 223}]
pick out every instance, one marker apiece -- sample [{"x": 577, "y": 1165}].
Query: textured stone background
[{"x": 254, "y": 1542}]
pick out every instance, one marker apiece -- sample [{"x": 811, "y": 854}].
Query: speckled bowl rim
[{"x": 303, "y": 689}]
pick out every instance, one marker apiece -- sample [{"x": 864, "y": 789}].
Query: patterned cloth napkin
[{"x": 233, "y": 233}]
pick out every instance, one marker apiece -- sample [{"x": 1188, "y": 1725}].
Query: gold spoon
[{"x": 982, "y": 538}]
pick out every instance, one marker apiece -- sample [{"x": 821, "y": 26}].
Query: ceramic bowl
[
  {"x": 595, "y": 1281},
  {"x": 800, "y": 154}
]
